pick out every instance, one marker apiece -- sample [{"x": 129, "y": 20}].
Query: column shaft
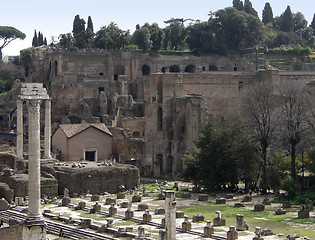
[
  {"x": 47, "y": 151},
  {"x": 170, "y": 215},
  {"x": 19, "y": 121},
  {"x": 33, "y": 107}
]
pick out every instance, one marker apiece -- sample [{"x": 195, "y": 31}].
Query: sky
[{"x": 56, "y": 17}]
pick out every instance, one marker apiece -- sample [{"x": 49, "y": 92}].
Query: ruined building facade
[{"x": 154, "y": 105}]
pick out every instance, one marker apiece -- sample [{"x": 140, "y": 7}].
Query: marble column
[
  {"x": 34, "y": 214},
  {"x": 19, "y": 138},
  {"x": 170, "y": 215},
  {"x": 47, "y": 133}
]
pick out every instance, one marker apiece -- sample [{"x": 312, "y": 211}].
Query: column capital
[{"x": 33, "y": 105}]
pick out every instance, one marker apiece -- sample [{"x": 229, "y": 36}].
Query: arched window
[
  {"x": 145, "y": 70},
  {"x": 56, "y": 68},
  {"x": 174, "y": 68},
  {"x": 118, "y": 70},
  {"x": 190, "y": 68}
]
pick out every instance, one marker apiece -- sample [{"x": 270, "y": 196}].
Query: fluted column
[
  {"x": 47, "y": 153},
  {"x": 33, "y": 107},
  {"x": 19, "y": 137}
]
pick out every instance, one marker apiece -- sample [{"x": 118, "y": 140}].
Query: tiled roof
[{"x": 72, "y": 129}]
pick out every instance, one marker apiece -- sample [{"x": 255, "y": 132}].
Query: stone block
[
  {"x": 112, "y": 211},
  {"x": 136, "y": 198},
  {"x": 240, "y": 223},
  {"x": 220, "y": 201},
  {"x": 208, "y": 230},
  {"x": 81, "y": 205},
  {"x": 185, "y": 195},
  {"x": 259, "y": 207},
  {"x": 238, "y": 205},
  {"x": 147, "y": 217},
  {"x": 280, "y": 211},
  {"x": 86, "y": 222},
  {"x": 142, "y": 207},
  {"x": 95, "y": 198},
  {"x": 186, "y": 225},
  {"x": 266, "y": 201},
  {"x": 247, "y": 198},
  {"x": 219, "y": 221},
  {"x": 198, "y": 218},
  {"x": 109, "y": 201},
  {"x": 161, "y": 196},
  {"x": 4, "y": 205},
  {"x": 65, "y": 201},
  {"x": 203, "y": 197},
  {"x": 303, "y": 213},
  {"x": 232, "y": 234},
  {"x": 159, "y": 211},
  {"x": 121, "y": 195},
  {"x": 180, "y": 214},
  {"x": 286, "y": 204},
  {"x": 129, "y": 214},
  {"x": 124, "y": 204},
  {"x": 163, "y": 223},
  {"x": 97, "y": 207}
]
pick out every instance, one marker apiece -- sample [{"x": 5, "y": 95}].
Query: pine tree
[
  {"x": 267, "y": 14},
  {"x": 35, "y": 40},
  {"x": 248, "y": 8},
  {"x": 287, "y": 21},
  {"x": 45, "y": 41},
  {"x": 238, "y": 4},
  {"x": 90, "y": 24}
]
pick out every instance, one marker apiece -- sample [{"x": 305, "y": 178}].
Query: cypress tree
[
  {"x": 287, "y": 21},
  {"x": 267, "y": 14},
  {"x": 238, "y": 4},
  {"x": 248, "y": 8},
  {"x": 35, "y": 40},
  {"x": 45, "y": 41},
  {"x": 90, "y": 24},
  {"x": 40, "y": 39},
  {"x": 78, "y": 26}
]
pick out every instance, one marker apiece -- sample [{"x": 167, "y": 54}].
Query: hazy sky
[{"x": 55, "y": 17}]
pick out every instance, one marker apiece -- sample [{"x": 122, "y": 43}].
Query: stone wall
[
  {"x": 12, "y": 232},
  {"x": 98, "y": 179}
]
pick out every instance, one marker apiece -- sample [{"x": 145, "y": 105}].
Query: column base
[
  {"x": 34, "y": 232},
  {"x": 47, "y": 157}
]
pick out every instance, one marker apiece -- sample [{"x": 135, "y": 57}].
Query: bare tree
[
  {"x": 262, "y": 118},
  {"x": 294, "y": 119}
]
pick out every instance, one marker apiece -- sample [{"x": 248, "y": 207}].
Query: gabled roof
[{"x": 72, "y": 129}]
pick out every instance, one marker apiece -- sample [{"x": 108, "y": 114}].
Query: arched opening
[
  {"x": 174, "y": 68},
  {"x": 190, "y": 68},
  {"x": 169, "y": 165},
  {"x": 145, "y": 70},
  {"x": 56, "y": 68},
  {"x": 213, "y": 68},
  {"x": 118, "y": 70},
  {"x": 163, "y": 69},
  {"x": 136, "y": 134},
  {"x": 159, "y": 119}
]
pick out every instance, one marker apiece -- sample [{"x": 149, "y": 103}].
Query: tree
[
  {"x": 176, "y": 33},
  {"x": 35, "y": 40},
  {"x": 294, "y": 122},
  {"x": 248, "y": 8},
  {"x": 267, "y": 14},
  {"x": 299, "y": 22},
  {"x": 238, "y": 4},
  {"x": 262, "y": 118},
  {"x": 237, "y": 29},
  {"x": 40, "y": 39},
  {"x": 219, "y": 157},
  {"x": 313, "y": 23},
  {"x": 111, "y": 37},
  {"x": 287, "y": 20},
  {"x": 90, "y": 24},
  {"x": 156, "y": 35},
  {"x": 78, "y": 26},
  {"x": 7, "y": 35},
  {"x": 142, "y": 37},
  {"x": 66, "y": 42}
]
